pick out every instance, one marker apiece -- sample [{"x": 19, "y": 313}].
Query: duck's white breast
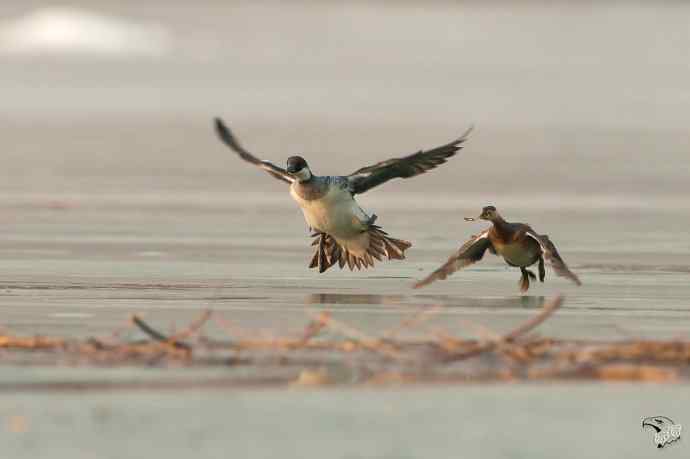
[{"x": 335, "y": 213}]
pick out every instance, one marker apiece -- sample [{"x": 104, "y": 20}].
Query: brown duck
[{"x": 517, "y": 243}]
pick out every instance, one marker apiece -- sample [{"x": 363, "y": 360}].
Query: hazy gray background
[
  {"x": 116, "y": 197},
  {"x": 582, "y": 100}
]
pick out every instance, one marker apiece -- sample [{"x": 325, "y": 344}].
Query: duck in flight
[
  {"x": 344, "y": 233},
  {"x": 517, "y": 243}
]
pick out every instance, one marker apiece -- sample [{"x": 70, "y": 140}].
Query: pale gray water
[
  {"x": 103, "y": 253},
  {"x": 116, "y": 198},
  {"x": 495, "y": 421}
]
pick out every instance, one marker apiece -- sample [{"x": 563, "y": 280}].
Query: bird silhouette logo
[{"x": 665, "y": 430}]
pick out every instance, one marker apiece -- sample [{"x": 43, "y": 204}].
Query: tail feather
[
  {"x": 350, "y": 260},
  {"x": 328, "y": 252},
  {"x": 335, "y": 253},
  {"x": 358, "y": 263},
  {"x": 322, "y": 255},
  {"x": 377, "y": 248},
  {"x": 315, "y": 260},
  {"x": 325, "y": 254},
  {"x": 368, "y": 258},
  {"x": 377, "y": 253}
]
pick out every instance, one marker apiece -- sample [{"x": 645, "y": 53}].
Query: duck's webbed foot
[{"x": 524, "y": 279}]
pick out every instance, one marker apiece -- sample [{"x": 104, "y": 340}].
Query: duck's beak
[{"x": 472, "y": 219}]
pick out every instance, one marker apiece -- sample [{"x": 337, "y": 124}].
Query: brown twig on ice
[
  {"x": 547, "y": 309},
  {"x": 516, "y": 354},
  {"x": 36, "y": 342},
  {"x": 193, "y": 328},
  {"x": 362, "y": 339},
  {"x": 608, "y": 372},
  {"x": 315, "y": 326},
  {"x": 417, "y": 318},
  {"x": 158, "y": 336}
]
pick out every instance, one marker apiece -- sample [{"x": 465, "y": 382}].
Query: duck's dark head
[
  {"x": 489, "y": 213},
  {"x": 298, "y": 167}
]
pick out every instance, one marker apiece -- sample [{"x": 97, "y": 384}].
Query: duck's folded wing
[
  {"x": 471, "y": 252},
  {"x": 418, "y": 163},
  {"x": 553, "y": 257},
  {"x": 229, "y": 139}
]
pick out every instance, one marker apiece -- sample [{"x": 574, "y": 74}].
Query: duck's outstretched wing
[
  {"x": 471, "y": 252},
  {"x": 552, "y": 256},
  {"x": 228, "y": 139},
  {"x": 418, "y": 163}
]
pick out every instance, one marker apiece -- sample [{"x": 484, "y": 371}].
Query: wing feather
[
  {"x": 229, "y": 139},
  {"x": 409, "y": 166},
  {"x": 553, "y": 257},
  {"x": 471, "y": 252}
]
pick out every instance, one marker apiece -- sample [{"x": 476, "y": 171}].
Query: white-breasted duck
[
  {"x": 345, "y": 234},
  {"x": 517, "y": 243}
]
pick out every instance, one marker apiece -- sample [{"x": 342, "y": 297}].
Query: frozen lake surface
[{"x": 115, "y": 198}]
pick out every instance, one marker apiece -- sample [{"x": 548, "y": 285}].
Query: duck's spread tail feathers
[{"x": 329, "y": 252}]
